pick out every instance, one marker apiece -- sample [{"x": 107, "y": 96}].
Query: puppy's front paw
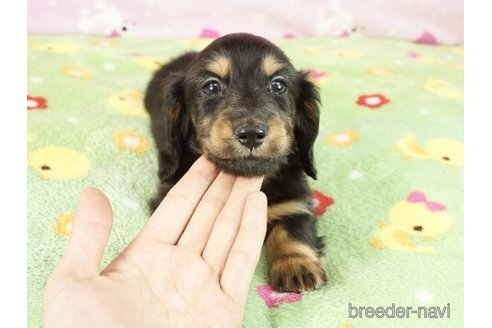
[{"x": 297, "y": 273}]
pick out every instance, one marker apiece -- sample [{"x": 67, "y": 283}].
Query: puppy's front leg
[
  {"x": 162, "y": 190},
  {"x": 294, "y": 250}
]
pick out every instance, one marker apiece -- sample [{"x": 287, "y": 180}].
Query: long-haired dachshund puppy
[{"x": 242, "y": 104}]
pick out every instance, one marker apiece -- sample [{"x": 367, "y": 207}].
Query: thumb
[{"x": 90, "y": 232}]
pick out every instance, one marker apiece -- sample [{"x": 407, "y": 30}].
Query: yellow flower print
[
  {"x": 379, "y": 71},
  {"x": 457, "y": 50},
  {"x": 316, "y": 50},
  {"x": 345, "y": 53},
  {"x": 197, "y": 43},
  {"x": 454, "y": 66},
  {"x": 106, "y": 43},
  {"x": 55, "y": 47},
  {"x": 63, "y": 225},
  {"x": 150, "y": 62},
  {"x": 342, "y": 138},
  {"x": 373, "y": 45},
  {"x": 76, "y": 72},
  {"x": 131, "y": 141}
]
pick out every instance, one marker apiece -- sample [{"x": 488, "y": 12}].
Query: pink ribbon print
[{"x": 419, "y": 197}]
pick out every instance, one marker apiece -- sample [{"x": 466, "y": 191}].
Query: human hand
[{"x": 190, "y": 266}]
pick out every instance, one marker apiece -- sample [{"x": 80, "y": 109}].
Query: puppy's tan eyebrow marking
[
  {"x": 271, "y": 65},
  {"x": 220, "y": 65}
]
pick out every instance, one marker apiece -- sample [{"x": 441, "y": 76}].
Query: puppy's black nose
[{"x": 251, "y": 136}]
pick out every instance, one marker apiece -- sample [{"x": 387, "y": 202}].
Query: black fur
[{"x": 177, "y": 106}]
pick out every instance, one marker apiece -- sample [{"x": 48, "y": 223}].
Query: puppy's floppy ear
[
  {"x": 307, "y": 122},
  {"x": 170, "y": 121}
]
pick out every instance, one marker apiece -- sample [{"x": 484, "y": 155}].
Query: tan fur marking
[
  {"x": 220, "y": 65},
  {"x": 203, "y": 125},
  {"x": 278, "y": 140},
  {"x": 220, "y": 135},
  {"x": 224, "y": 130},
  {"x": 217, "y": 137},
  {"x": 311, "y": 110},
  {"x": 220, "y": 131},
  {"x": 278, "y": 211},
  {"x": 293, "y": 266},
  {"x": 174, "y": 112},
  {"x": 271, "y": 65},
  {"x": 280, "y": 245}
]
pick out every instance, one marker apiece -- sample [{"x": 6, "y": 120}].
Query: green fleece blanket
[{"x": 389, "y": 156}]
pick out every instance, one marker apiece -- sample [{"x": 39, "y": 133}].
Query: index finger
[{"x": 169, "y": 220}]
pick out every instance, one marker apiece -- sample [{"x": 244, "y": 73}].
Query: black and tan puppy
[{"x": 242, "y": 104}]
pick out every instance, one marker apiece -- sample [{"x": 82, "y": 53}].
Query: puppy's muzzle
[{"x": 251, "y": 136}]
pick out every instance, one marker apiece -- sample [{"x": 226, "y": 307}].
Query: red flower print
[
  {"x": 316, "y": 74},
  {"x": 36, "y": 103},
  {"x": 413, "y": 55},
  {"x": 372, "y": 101},
  {"x": 321, "y": 202}
]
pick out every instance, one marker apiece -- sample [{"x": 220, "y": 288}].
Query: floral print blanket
[{"x": 389, "y": 154}]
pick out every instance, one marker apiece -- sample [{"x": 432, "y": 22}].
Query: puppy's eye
[
  {"x": 277, "y": 86},
  {"x": 212, "y": 88}
]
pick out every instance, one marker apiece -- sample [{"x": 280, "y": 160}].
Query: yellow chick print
[
  {"x": 59, "y": 163},
  {"x": 414, "y": 217},
  {"x": 443, "y": 88},
  {"x": 128, "y": 101},
  {"x": 55, "y": 47},
  {"x": 447, "y": 151}
]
